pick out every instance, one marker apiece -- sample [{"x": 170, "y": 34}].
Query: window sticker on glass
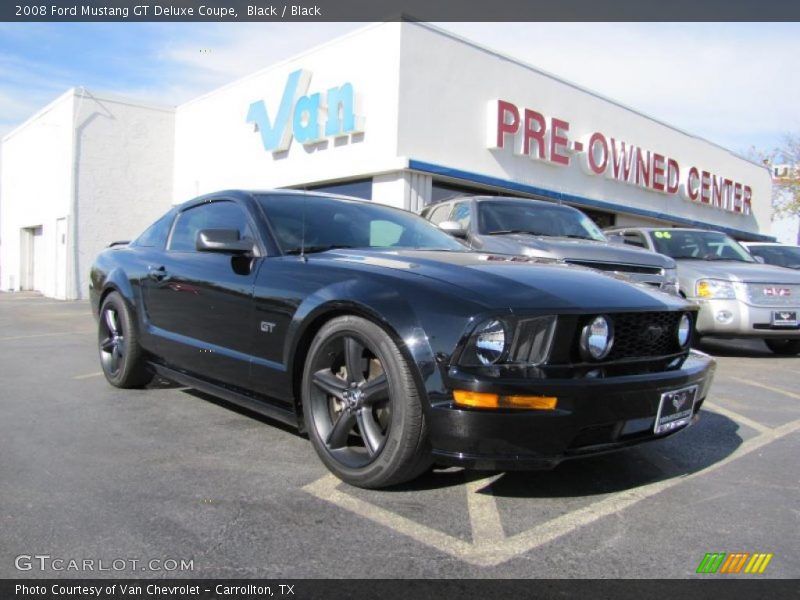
[{"x": 663, "y": 235}]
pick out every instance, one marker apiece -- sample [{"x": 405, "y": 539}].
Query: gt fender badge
[{"x": 267, "y": 327}]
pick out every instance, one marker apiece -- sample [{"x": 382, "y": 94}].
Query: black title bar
[
  {"x": 385, "y": 10},
  {"x": 383, "y": 589}
]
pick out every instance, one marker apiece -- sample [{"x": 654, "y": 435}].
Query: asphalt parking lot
[{"x": 91, "y": 472}]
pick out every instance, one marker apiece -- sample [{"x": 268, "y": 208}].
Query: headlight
[
  {"x": 684, "y": 330},
  {"x": 490, "y": 342},
  {"x": 597, "y": 338},
  {"x": 670, "y": 284},
  {"x": 715, "y": 288}
]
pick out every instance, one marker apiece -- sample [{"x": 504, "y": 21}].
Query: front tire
[
  {"x": 118, "y": 344},
  {"x": 783, "y": 347},
  {"x": 361, "y": 406}
]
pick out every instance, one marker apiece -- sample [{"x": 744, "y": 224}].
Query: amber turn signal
[{"x": 485, "y": 400}]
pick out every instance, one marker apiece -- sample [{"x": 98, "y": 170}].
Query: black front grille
[
  {"x": 621, "y": 267},
  {"x": 644, "y": 335}
]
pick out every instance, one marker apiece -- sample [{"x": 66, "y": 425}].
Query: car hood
[
  {"x": 575, "y": 249},
  {"x": 734, "y": 270},
  {"x": 499, "y": 281}
]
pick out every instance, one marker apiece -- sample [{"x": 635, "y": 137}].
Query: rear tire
[
  {"x": 118, "y": 345},
  {"x": 783, "y": 347},
  {"x": 361, "y": 406}
]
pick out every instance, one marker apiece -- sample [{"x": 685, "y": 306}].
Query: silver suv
[
  {"x": 738, "y": 296},
  {"x": 547, "y": 230}
]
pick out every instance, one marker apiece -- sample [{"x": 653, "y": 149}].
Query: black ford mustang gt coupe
[{"x": 390, "y": 343}]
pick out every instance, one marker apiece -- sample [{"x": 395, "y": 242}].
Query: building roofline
[
  {"x": 39, "y": 113},
  {"x": 82, "y": 92},
  {"x": 284, "y": 62},
  {"x": 576, "y": 86}
]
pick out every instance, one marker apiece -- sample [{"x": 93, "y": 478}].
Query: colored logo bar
[{"x": 734, "y": 562}]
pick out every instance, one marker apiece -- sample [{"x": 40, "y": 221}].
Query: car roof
[
  {"x": 666, "y": 228},
  {"x": 234, "y": 194},
  {"x": 776, "y": 244},
  {"x": 479, "y": 198}
]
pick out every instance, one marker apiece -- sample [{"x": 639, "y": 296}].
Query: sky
[{"x": 731, "y": 83}]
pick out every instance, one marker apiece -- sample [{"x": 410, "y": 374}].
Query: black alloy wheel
[
  {"x": 361, "y": 405},
  {"x": 120, "y": 353}
]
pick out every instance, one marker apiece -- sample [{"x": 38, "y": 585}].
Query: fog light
[
  {"x": 684, "y": 330},
  {"x": 724, "y": 316},
  {"x": 484, "y": 400},
  {"x": 596, "y": 339}
]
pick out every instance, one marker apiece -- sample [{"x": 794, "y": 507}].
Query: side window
[
  {"x": 461, "y": 213},
  {"x": 439, "y": 214},
  {"x": 214, "y": 215},
  {"x": 634, "y": 238},
  {"x": 156, "y": 235}
]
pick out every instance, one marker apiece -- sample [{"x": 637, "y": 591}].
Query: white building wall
[
  {"x": 217, "y": 149},
  {"x": 35, "y": 189},
  {"x": 446, "y": 85},
  {"x": 86, "y": 168},
  {"x": 124, "y": 166}
]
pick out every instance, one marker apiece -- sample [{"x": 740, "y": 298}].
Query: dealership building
[{"x": 399, "y": 113}]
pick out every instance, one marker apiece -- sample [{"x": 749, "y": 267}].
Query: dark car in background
[
  {"x": 390, "y": 343},
  {"x": 738, "y": 296},
  {"x": 780, "y": 255},
  {"x": 541, "y": 229}
]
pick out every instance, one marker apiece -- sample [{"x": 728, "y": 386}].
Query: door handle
[{"x": 156, "y": 273}]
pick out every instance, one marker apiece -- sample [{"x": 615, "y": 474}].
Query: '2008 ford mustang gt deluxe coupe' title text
[{"x": 389, "y": 342}]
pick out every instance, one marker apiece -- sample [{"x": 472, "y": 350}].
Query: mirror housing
[
  {"x": 222, "y": 240},
  {"x": 615, "y": 238},
  {"x": 453, "y": 228}
]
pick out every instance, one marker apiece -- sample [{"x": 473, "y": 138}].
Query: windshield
[
  {"x": 316, "y": 223},
  {"x": 699, "y": 245},
  {"x": 529, "y": 217},
  {"x": 782, "y": 256}
]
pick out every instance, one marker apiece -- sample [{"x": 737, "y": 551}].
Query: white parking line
[
  {"x": 764, "y": 386},
  {"x": 482, "y": 551},
  {"x": 40, "y": 335},
  {"x": 487, "y": 528},
  {"x": 326, "y": 489},
  {"x": 89, "y": 375},
  {"x": 739, "y": 418}
]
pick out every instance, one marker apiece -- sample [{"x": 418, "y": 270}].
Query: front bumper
[
  {"x": 735, "y": 318},
  {"x": 594, "y": 415}
]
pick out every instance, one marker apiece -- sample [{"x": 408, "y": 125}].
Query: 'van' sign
[{"x": 308, "y": 118}]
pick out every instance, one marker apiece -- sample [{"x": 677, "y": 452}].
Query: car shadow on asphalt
[
  {"x": 739, "y": 348},
  {"x": 711, "y": 440},
  {"x": 243, "y": 411}
]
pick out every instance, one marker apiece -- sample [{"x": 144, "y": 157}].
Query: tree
[{"x": 784, "y": 162}]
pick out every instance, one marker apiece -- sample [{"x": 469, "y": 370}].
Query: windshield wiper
[
  {"x": 578, "y": 237},
  {"x": 504, "y": 231},
  {"x": 313, "y": 249}
]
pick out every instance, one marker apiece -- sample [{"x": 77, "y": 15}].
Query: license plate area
[
  {"x": 675, "y": 409},
  {"x": 784, "y": 318}
]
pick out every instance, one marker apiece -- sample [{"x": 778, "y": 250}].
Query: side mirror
[
  {"x": 759, "y": 259},
  {"x": 453, "y": 228},
  {"x": 615, "y": 238},
  {"x": 222, "y": 240}
]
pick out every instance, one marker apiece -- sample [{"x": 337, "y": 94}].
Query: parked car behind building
[
  {"x": 738, "y": 296},
  {"x": 539, "y": 229}
]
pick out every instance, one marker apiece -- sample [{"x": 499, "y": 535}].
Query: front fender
[
  {"x": 369, "y": 300},
  {"x": 426, "y": 321}
]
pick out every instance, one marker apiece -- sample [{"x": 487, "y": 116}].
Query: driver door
[{"x": 200, "y": 304}]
